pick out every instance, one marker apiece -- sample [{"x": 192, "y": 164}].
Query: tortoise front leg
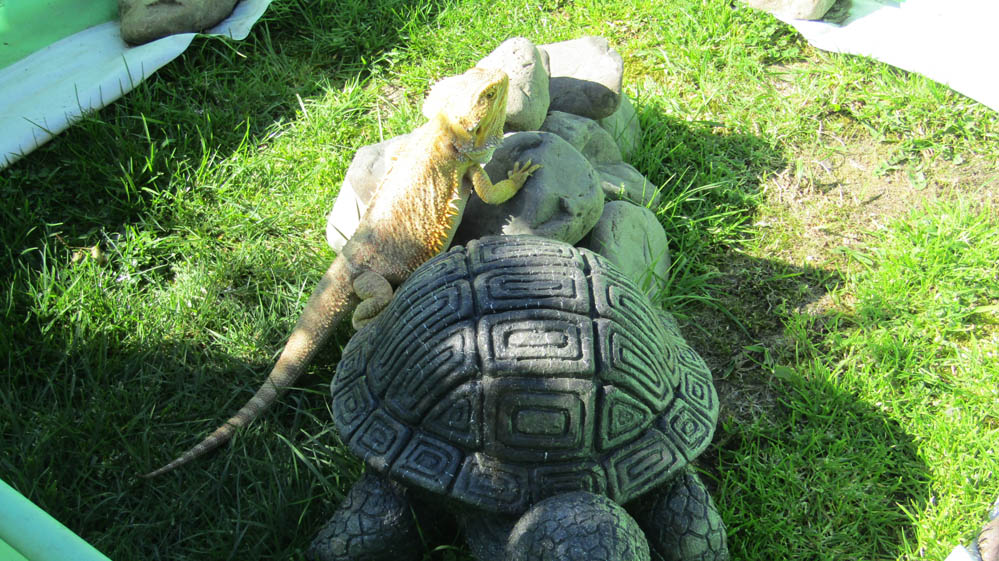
[
  {"x": 373, "y": 523},
  {"x": 577, "y": 526}
]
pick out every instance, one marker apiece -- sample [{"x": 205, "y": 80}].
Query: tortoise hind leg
[
  {"x": 373, "y": 523},
  {"x": 375, "y": 293},
  {"x": 682, "y": 523}
]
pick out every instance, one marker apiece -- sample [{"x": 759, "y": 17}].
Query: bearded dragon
[{"x": 411, "y": 217}]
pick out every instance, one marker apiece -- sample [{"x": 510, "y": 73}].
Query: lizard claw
[{"x": 521, "y": 171}]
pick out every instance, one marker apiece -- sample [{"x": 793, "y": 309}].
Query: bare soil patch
[
  {"x": 818, "y": 211},
  {"x": 839, "y": 191}
]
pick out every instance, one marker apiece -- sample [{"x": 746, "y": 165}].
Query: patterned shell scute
[{"x": 518, "y": 368}]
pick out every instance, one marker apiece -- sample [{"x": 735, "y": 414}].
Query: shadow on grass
[
  {"x": 821, "y": 476},
  {"x": 804, "y": 470},
  {"x": 82, "y": 418}
]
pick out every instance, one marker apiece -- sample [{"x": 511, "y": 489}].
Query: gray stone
[
  {"x": 561, "y": 201},
  {"x": 528, "y": 97},
  {"x": 366, "y": 171},
  {"x": 623, "y": 126},
  {"x": 145, "y": 20},
  {"x": 632, "y": 238},
  {"x": 586, "y": 76},
  {"x": 796, "y": 9},
  {"x": 585, "y": 135},
  {"x": 621, "y": 180}
]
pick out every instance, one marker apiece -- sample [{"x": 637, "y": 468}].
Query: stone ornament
[
  {"x": 562, "y": 200},
  {"x": 530, "y": 387},
  {"x": 621, "y": 181},
  {"x": 624, "y": 128},
  {"x": 586, "y": 135},
  {"x": 145, "y": 20},
  {"x": 586, "y": 75},
  {"x": 795, "y": 9},
  {"x": 628, "y": 236},
  {"x": 528, "y": 98}
]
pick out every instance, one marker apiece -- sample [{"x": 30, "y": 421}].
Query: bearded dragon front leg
[
  {"x": 501, "y": 191},
  {"x": 375, "y": 293}
]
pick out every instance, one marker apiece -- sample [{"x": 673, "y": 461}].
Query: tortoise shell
[{"x": 518, "y": 368}]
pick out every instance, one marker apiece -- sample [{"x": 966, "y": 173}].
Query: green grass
[
  {"x": 832, "y": 222},
  {"x": 890, "y": 395}
]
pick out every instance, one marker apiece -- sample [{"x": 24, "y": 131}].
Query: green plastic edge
[
  {"x": 8, "y": 553},
  {"x": 27, "y": 26},
  {"x": 36, "y": 536}
]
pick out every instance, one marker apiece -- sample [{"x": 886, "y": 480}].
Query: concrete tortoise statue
[{"x": 532, "y": 390}]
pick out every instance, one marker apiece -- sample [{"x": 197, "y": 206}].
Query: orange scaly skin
[{"x": 411, "y": 217}]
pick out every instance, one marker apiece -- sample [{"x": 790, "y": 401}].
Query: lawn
[{"x": 833, "y": 224}]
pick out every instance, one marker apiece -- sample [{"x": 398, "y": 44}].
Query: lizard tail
[{"x": 330, "y": 303}]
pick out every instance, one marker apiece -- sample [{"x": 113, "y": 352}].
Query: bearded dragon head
[{"x": 474, "y": 104}]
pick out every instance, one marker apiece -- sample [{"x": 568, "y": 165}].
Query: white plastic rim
[{"x": 44, "y": 93}]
